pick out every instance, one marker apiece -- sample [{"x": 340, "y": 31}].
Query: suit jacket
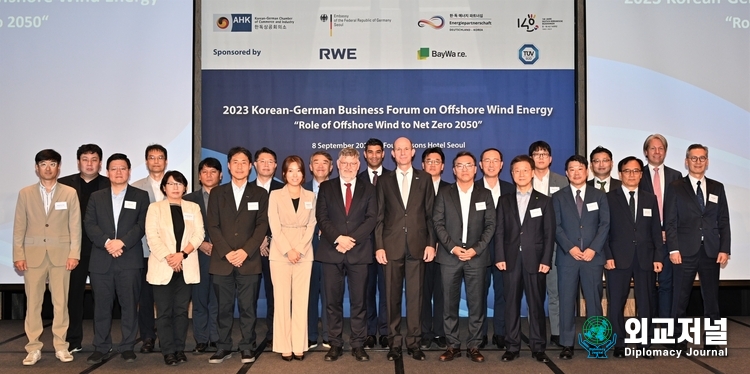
[
  {"x": 670, "y": 175},
  {"x": 587, "y": 231},
  {"x": 197, "y": 197},
  {"x": 291, "y": 229},
  {"x": 448, "y": 219},
  {"x": 613, "y": 184},
  {"x": 366, "y": 177},
  {"x": 131, "y": 226},
  {"x": 556, "y": 183},
  {"x": 145, "y": 184},
  {"x": 231, "y": 229},
  {"x": 74, "y": 180},
  {"x": 275, "y": 185},
  {"x": 358, "y": 224},
  {"x": 162, "y": 242},
  {"x": 534, "y": 239},
  {"x": 395, "y": 221},
  {"x": 505, "y": 189},
  {"x": 37, "y": 233},
  {"x": 685, "y": 223},
  {"x": 626, "y": 237}
]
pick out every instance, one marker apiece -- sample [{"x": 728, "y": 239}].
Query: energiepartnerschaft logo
[{"x": 436, "y": 22}]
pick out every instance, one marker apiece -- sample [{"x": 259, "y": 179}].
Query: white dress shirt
[
  {"x": 626, "y": 191},
  {"x": 465, "y": 199},
  {"x": 47, "y": 196},
  {"x": 266, "y": 186},
  {"x": 436, "y": 184},
  {"x": 379, "y": 170},
  {"x": 400, "y": 179},
  {"x": 495, "y": 190},
  {"x": 343, "y": 188},
  {"x": 542, "y": 184},
  {"x": 607, "y": 183},
  {"x": 156, "y": 188},
  {"x": 694, "y": 184},
  {"x": 238, "y": 192}
]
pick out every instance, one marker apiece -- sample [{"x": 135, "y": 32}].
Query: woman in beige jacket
[
  {"x": 173, "y": 266},
  {"x": 291, "y": 216}
]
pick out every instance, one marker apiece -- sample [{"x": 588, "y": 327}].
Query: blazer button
[
  {"x": 581, "y": 227},
  {"x": 521, "y": 232},
  {"x": 45, "y": 240},
  {"x": 46, "y": 225},
  {"x": 235, "y": 234}
]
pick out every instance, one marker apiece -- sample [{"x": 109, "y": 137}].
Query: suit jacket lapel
[
  {"x": 688, "y": 187},
  {"x": 456, "y": 201},
  {"x": 393, "y": 180},
  {"x": 415, "y": 181},
  {"x": 516, "y": 210},
  {"x": 356, "y": 196},
  {"x": 624, "y": 202}
]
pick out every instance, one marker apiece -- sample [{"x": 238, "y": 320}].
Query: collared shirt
[
  {"x": 694, "y": 184},
  {"x": 465, "y": 199},
  {"x": 343, "y": 187},
  {"x": 495, "y": 190},
  {"x": 117, "y": 202},
  {"x": 436, "y": 184},
  {"x": 47, "y": 196},
  {"x": 156, "y": 187},
  {"x": 238, "y": 192},
  {"x": 583, "y": 192},
  {"x": 661, "y": 178},
  {"x": 542, "y": 184},
  {"x": 523, "y": 203},
  {"x": 400, "y": 179},
  {"x": 626, "y": 191},
  {"x": 206, "y": 195},
  {"x": 379, "y": 170},
  {"x": 315, "y": 186},
  {"x": 266, "y": 185},
  {"x": 607, "y": 183}
]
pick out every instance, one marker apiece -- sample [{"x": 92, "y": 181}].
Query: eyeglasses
[
  {"x": 631, "y": 171},
  {"x": 266, "y": 162},
  {"x": 433, "y": 162},
  {"x": 348, "y": 164},
  {"x": 175, "y": 184},
  {"x": 540, "y": 155},
  {"x": 697, "y": 158},
  {"x": 154, "y": 158},
  {"x": 463, "y": 166},
  {"x": 44, "y": 164},
  {"x": 604, "y": 161}
]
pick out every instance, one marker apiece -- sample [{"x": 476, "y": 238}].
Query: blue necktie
[
  {"x": 699, "y": 193},
  {"x": 579, "y": 202}
]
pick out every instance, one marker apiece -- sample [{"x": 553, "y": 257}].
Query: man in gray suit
[
  {"x": 548, "y": 182},
  {"x": 464, "y": 217},
  {"x": 582, "y": 217}
]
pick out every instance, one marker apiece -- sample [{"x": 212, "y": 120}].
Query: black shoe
[
  {"x": 425, "y": 343},
  {"x": 555, "y": 340},
  {"x": 498, "y": 341},
  {"x": 619, "y": 352},
  {"x": 540, "y": 356},
  {"x": 510, "y": 356},
  {"x": 333, "y": 354},
  {"x": 440, "y": 341},
  {"x": 247, "y": 356},
  {"x": 359, "y": 354},
  {"x": 298, "y": 357},
  {"x": 181, "y": 358},
  {"x": 212, "y": 347},
  {"x": 394, "y": 353},
  {"x": 567, "y": 353},
  {"x": 148, "y": 345},
  {"x": 326, "y": 344},
  {"x": 128, "y": 356},
  {"x": 383, "y": 341},
  {"x": 312, "y": 344},
  {"x": 370, "y": 341},
  {"x": 287, "y": 358},
  {"x": 170, "y": 359},
  {"x": 416, "y": 354},
  {"x": 484, "y": 342},
  {"x": 200, "y": 348},
  {"x": 98, "y": 357},
  {"x": 220, "y": 356}
]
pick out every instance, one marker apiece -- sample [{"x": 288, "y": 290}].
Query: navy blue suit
[
  {"x": 432, "y": 296},
  {"x": 316, "y": 289}
]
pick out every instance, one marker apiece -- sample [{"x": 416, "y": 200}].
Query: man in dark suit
[
  {"x": 205, "y": 307},
  {"x": 696, "y": 216},
  {"x": 525, "y": 239},
  {"x": 405, "y": 199},
  {"x": 321, "y": 167},
  {"x": 656, "y": 178},
  {"x": 265, "y": 168},
  {"x": 582, "y": 218},
  {"x": 633, "y": 249},
  {"x": 491, "y": 163},
  {"x": 464, "y": 217},
  {"x": 85, "y": 182},
  {"x": 601, "y": 167},
  {"x": 377, "y": 319},
  {"x": 237, "y": 223},
  {"x": 115, "y": 223},
  {"x": 346, "y": 212},
  {"x": 433, "y": 162}
]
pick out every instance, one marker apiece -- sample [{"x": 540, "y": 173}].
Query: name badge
[
  {"x": 252, "y": 206},
  {"x": 129, "y": 204},
  {"x": 61, "y": 205},
  {"x": 646, "y": 212},
  {"x": 553, "y": 190},
  {"x": 592, "y": 206},
  {"x": 308, "y": 205},
  {"x": 536, "y": 212},
  {"x": 188, "y": 217},
  {"x": 713, "y": 198},
  {"x": 481, "y": 206}
]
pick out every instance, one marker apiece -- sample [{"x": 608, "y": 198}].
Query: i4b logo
[
  {"x": 528, "y": 23},
  {"x": 528, "y": 54}
]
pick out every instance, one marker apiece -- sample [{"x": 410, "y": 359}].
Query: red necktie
[{"x": 348, "y": 197}]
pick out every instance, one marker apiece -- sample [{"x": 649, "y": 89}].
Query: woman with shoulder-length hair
[
  {"x": 291, "y": 216},
  {"x": 173, "y": 266}
]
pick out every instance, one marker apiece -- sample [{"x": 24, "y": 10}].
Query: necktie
[
  {"x": 348, "y": 198},
  {"x": 657, "y": 192},
  {"x": 699, "y": 194},
  {"x": 374, "y": 177},
  {"x": 601, "y": 185},
  {"x": 405, "y": 188},
  {"x": 632, "y": 204},
  {"x": 579, "y": 202}
]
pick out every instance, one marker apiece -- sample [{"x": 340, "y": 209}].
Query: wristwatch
[{"x": 184, "y": 255}]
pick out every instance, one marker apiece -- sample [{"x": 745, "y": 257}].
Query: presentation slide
[
  {"x": 680, "y": 68},
  {"x": 117, "y": 73}
]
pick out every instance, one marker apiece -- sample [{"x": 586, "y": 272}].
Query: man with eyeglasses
[
  {"x": 548, "y": 182},
  {"x": 656, "y": 178},
  {"x": 696, "y": 216},
  {"x": 601, "y": 167},
  {"x": 156, "y": 163},
  {"x": 464, "y": 217},
  {"x": 633, "y": 249}
]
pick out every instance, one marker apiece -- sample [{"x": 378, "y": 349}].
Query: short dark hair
[
  {"x": 47, "y": 155},
  {"x": 156, "y": 147},
  {"x": 576, "y": 158},
  {"x": 118, "y": 156},
  {"x": 464, "y": 153},
  {"x": 600, "y": 149},
  {"x": 288, "y": 161},
  {"x": 322, "y": 153},
  {"x": 432, "y": 150},
  {"x": 265, "y": 150},
  {"x": 235, "y": 150},
  {"x": 625, "y": 160},
  {"x": 374, "y": 141},
  {"x": 491, "y": 149},
  {"x": 89, "y": 148},
  {"x": 522, "y": 158},
  {"x": 695, "y": 146},
  {"x": 540, "y": 145},
  {"x": 209, "y": 162},
  {"x": 177, "y": 176}
]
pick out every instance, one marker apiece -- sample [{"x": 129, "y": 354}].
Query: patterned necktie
[
  {"x": 657, "y": 192},
  {"x": 579, "y": 202},
  {"x": 632, "y": 204},
  {"x": 405, "y": 188},
  {"x": 348, "y": 198},
  {"x": 601, "y": 185},
  {"x": 699, "y": 194},
  {"x": 374, "y": 177}
]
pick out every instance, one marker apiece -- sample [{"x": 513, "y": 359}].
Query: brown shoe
[
  {"x": 475, "y": 355},
  {"x": 450, "y": 353}
]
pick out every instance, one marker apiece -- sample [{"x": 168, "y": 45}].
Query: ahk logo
[{"x": 233, "y": 22}]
